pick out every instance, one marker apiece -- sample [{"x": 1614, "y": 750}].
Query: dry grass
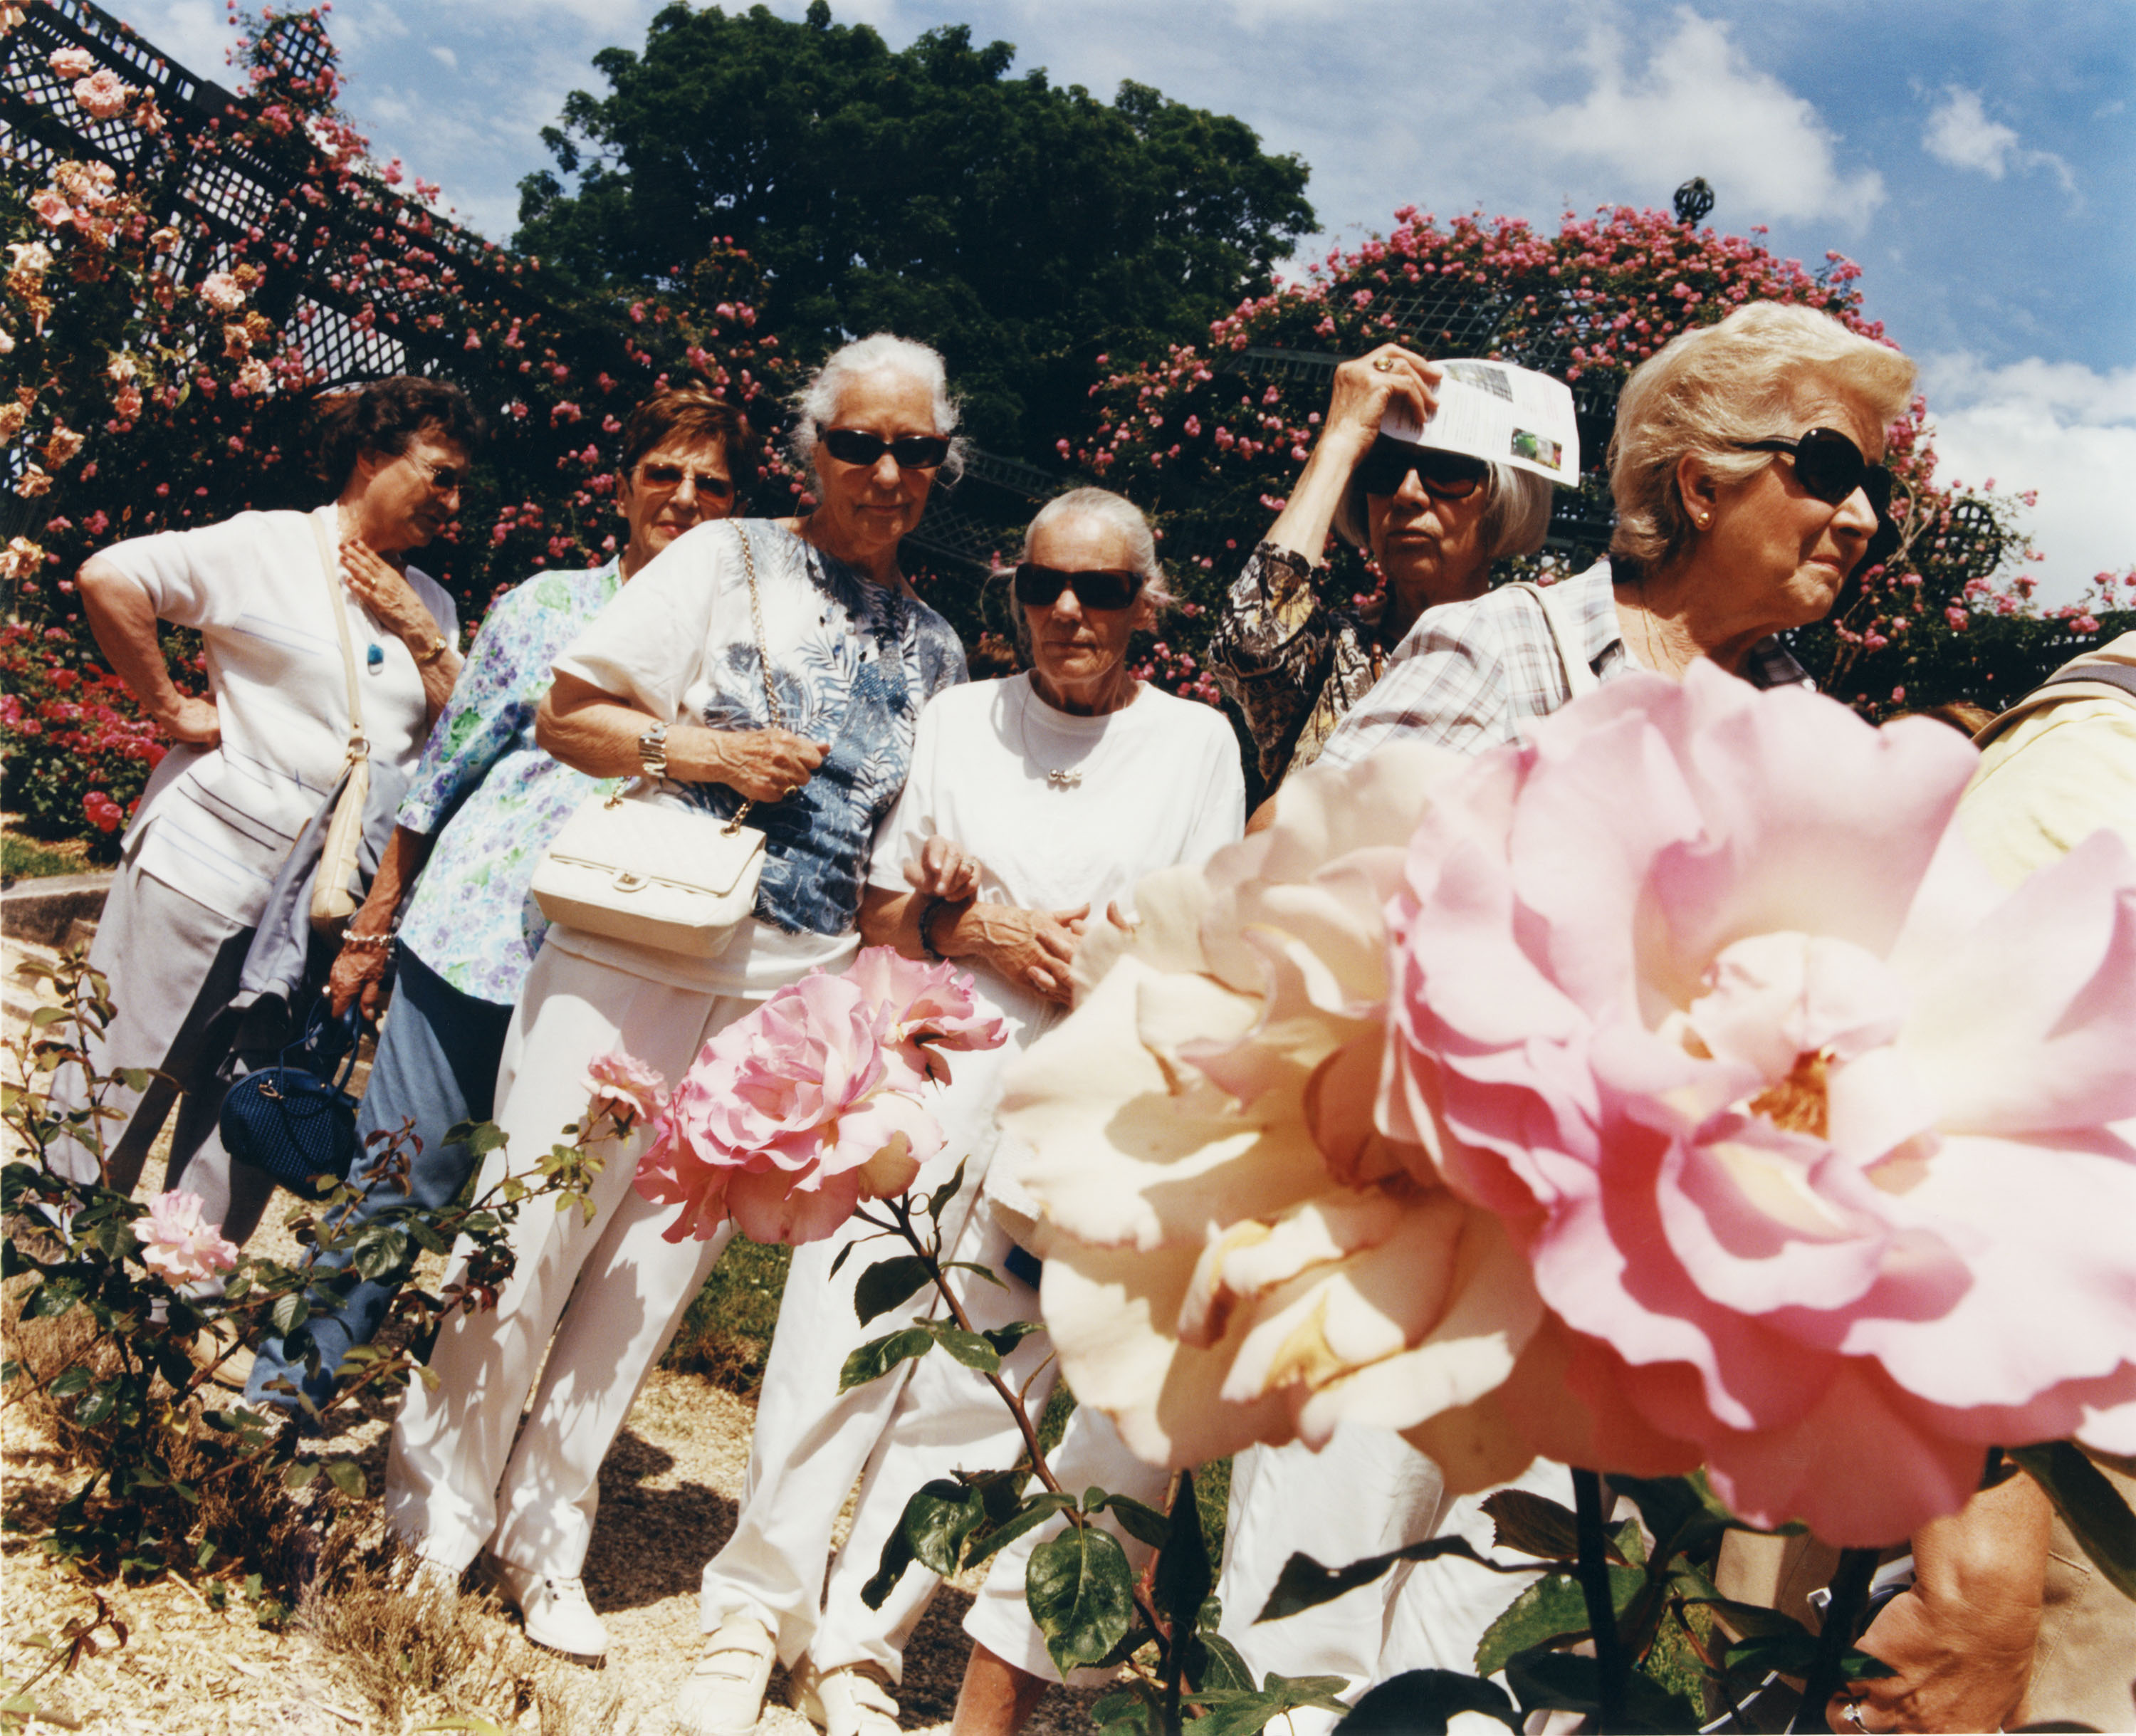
[{"x": 416, "y": 1654}]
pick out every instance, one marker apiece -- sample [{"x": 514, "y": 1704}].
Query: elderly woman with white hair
[
  {"x": 1033, "y": 802},
  {"x": 672, "y": 682},
  {"x": 1294, "y": 660}
]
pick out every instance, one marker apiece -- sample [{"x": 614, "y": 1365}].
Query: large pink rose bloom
[
  {"x": 785, "y": 1121},
  {"x": 1804, "y": 1126},
  {"x": 792, "y": 1115},
  {"x": 930, "y": 1008}
]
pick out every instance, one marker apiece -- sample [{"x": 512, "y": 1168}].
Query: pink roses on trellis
[
  {"x": 1677, "y": 1090},
  {"x": 791, "y": 1116}
]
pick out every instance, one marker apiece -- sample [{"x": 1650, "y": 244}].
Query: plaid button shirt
[{"x": 1467, "y": 675}]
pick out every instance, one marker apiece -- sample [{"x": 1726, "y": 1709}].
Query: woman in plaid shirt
[
  {"x": 1295, "y": 661},
  {"x": 1747, "y": 468}
]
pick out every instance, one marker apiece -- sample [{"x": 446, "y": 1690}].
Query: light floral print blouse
[{"x": 490, "y": 797}]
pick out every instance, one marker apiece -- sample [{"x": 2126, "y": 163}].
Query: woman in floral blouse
[
  {"x": 484, "y": 802},
  {"x": 1293, "y": 661}
]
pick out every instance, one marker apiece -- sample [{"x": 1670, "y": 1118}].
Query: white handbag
[
  {"x": 671, "y": 879},
  {"x": 337, "y": 887}
]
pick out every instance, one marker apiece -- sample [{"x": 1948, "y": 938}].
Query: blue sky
[{"x": 1978, "y": 160}]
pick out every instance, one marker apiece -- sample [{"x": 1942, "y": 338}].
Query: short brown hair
[
  {"x": 693, "y": 413},
  {"x": 386, "y": 416}
]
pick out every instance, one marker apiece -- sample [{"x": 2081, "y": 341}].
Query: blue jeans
[{"x": 436, "y": 1064}]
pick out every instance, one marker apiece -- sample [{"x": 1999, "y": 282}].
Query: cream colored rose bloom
[{"x": 1233, "y": 1254}]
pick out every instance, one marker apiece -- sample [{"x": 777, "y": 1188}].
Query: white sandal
[
  {"x": 853, "y": 1699},
  {"x": 724, "y": 1694}
]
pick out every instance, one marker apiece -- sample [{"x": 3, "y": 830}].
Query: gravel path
[{"x": 669, "y": 1494}]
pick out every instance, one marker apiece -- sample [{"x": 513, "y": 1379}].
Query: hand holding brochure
[{"x": 1493, "y": 410}]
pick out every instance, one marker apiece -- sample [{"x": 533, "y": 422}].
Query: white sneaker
[
  {"x": 724, "y": 1694},
  {"x": 554, "y": 1609},
  {"x": 853, "y": 1699}
]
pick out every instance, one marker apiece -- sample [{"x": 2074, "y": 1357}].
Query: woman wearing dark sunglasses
[
  {"x": 1032, "y": 802},
  {"x": 1747, "y": 470},
  {"x": 673, "y": 683},
  {"x": 1294, "y": 660}
]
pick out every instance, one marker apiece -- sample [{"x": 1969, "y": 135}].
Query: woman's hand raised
[
  {"x": 385, "y": 591},
  {"x": 1366, "y": 385}
]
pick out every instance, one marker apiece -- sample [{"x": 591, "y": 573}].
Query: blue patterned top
[
  {"x": 491, "y": 799},
  {"x": 853, "y": 663}
]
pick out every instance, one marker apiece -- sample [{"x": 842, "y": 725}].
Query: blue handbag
[{"x": 296, "y": 1120}]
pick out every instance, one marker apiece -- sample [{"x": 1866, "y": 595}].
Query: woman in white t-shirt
[
  {"x": 1033, "y": 805},
  {"x": 282, "y": 601}
]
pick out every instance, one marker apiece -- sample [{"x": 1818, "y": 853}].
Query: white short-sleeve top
[{"x": 214, "y": 823}]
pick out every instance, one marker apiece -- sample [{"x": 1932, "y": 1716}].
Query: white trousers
[
  {"x": 1367, "y": 1492},
  {"x": 610, "y": 1291},
  {"x": 916, "y": 1424},
  {"x": 1090, "y": 1452}
]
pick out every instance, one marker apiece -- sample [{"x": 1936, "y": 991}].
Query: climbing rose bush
[{"x": 1756, "y": 1127}]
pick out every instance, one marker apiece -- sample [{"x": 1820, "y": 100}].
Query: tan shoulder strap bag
[{"x": 338, "y": 886}]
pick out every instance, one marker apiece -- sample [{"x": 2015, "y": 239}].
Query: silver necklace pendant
[{"x": 1063, "y": 779}]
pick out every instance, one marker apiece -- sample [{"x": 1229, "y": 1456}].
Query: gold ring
[{"x": 1383, "y": 365}]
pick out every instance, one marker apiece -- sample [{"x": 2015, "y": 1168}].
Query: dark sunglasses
[
  {"x": 1445, "y": 475},
  {"x": 1038, "y": 587},
  {"x": 1831, "y": 466},
  {"x": 670, "y": 476},
  {"x": 857, "y": 446}
]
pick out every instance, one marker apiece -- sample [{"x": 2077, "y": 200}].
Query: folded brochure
[{"x": 1511, "y": 416}]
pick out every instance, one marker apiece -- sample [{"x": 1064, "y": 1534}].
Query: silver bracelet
[{"x": 652, "y": 752}]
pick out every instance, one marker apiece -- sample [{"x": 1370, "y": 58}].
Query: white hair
[
  {"x": 1122, "y": 515},
  {"x": 882, "y": 352},
  {"x": 1516, "y": 506}
]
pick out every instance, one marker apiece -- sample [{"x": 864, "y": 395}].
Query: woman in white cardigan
[{"x": 253, "y": 761}]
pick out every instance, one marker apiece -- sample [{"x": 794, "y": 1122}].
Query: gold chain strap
[{"x": 763, "y": 663}]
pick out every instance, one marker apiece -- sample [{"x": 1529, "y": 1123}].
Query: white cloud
[
  {"x": 194, "y": 33},
  {"x": 2065, "y": 431},
  {"x": 444, "y": 58},
  {"x": 1699, "y": 108},
  {"x": 1960, "y": 133}
]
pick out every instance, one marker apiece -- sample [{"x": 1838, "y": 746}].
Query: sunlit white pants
[
  {"x": 917, "y": 1423},
  {"x": 609, "y": 1292},
  {"x": 1367, "y": 1492}
]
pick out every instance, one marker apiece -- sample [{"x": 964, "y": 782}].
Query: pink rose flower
[
  {"x": 176, "y": 1244},
  {"x": 930, "y": 1008},
  {"x": 788, "y": 1118},
  {"x": 1233, "y": 1252},
  {"x": 1803, "y": 1124},
  {"x": 222, "y": 292},
  {"x": 72, "y": 62},
  {"x": 103, "y": 93},
  {"x": 622, "y": 1082}
]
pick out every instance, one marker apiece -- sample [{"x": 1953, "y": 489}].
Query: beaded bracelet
[
  {"x": 369, "y": 942},
  {"x": 928, "y": 913}
]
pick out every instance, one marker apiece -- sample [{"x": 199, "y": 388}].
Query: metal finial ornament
[{"x": 1694, "y": 200}]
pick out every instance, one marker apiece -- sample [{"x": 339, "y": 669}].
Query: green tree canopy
[{"x": 1022, "y": 228}]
